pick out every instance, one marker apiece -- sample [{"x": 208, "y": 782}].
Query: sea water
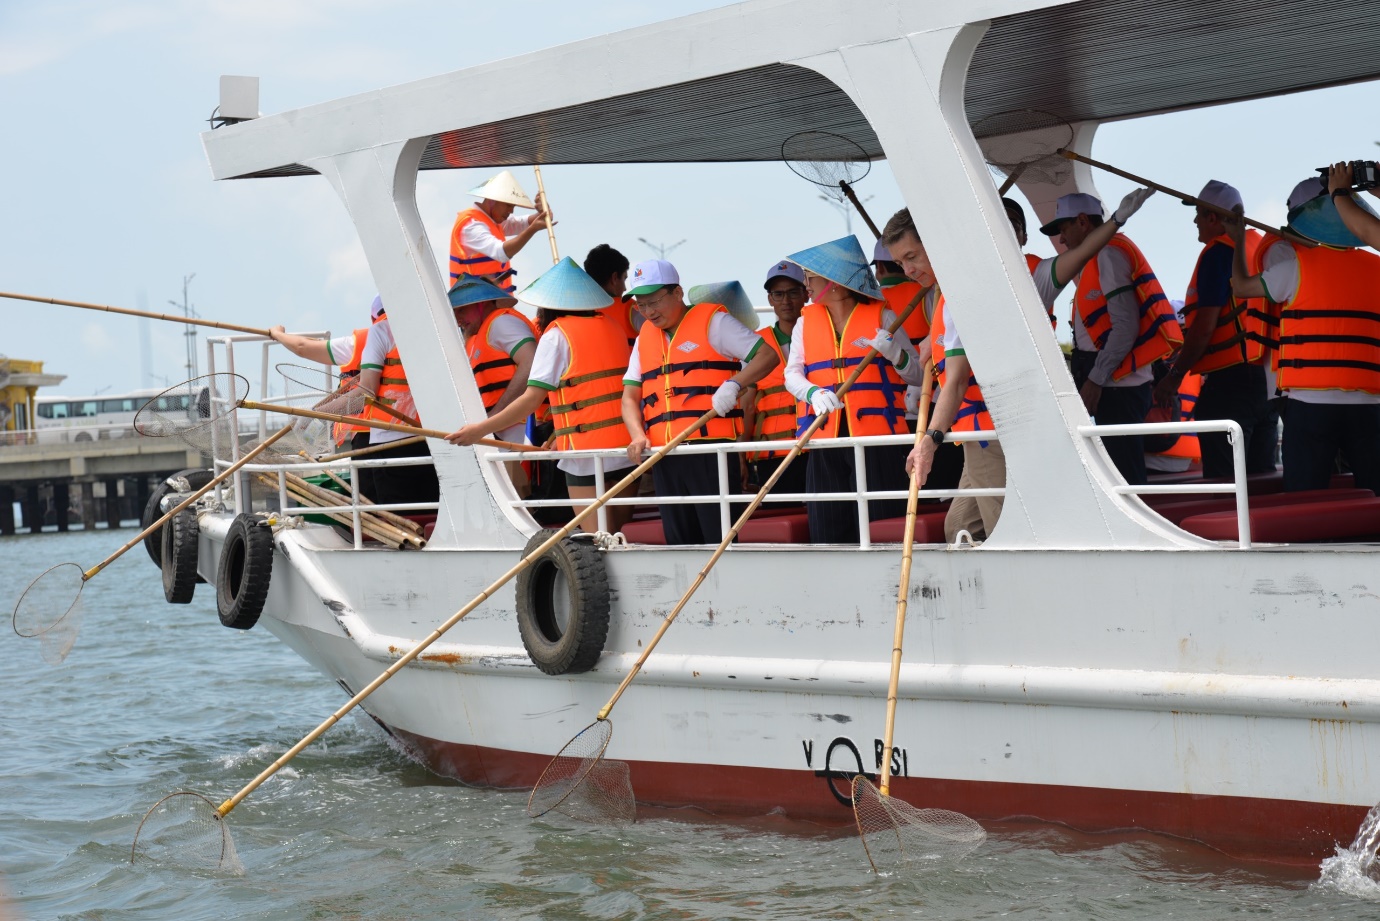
[{"x": 156, "y": 698}]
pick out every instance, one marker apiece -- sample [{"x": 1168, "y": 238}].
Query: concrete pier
[
  {"x": 6, "y": 511},
  {"x": 88, "y": 505}
]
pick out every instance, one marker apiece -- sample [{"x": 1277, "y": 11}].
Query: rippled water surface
[{"x": 157, "y": 697}]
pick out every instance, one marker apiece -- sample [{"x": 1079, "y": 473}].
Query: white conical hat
[{"x": 504, "y": 187}]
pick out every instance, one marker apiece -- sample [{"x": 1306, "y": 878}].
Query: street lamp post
[{"x": 188, "y": 312}]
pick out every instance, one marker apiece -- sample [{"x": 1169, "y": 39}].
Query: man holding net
[{"x": 487, "y": 236}]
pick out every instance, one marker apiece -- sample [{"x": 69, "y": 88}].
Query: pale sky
[{"x": 107, "y": 196}]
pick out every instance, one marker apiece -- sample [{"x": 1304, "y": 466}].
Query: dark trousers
[
  {"x": 1118, "y": 406},
  {"x": 831, "y": 470},
  {"x": 387, "y": 485},
  {"x": 694, "y": 475},
  {"x": 792, "y": 481},
  {"x": 1315, "y": 432},
  {"x": 1236, "y": 393}
]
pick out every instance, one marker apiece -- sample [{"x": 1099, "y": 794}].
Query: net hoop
[
  {"x": 211, "y": 398},
  {"x": 222, "y": 852},
  {"x": 300, "y": 375},
  {"x": 1025, "y": 143},
  {"x": 552, "y": 789},
  {"x": 893, "y": 832},
  {"x": 826, "y": 159},
  {"x": 19, "y": 604}
]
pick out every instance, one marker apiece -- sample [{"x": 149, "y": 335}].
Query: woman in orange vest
[
  {"x": 486, "y": 236},
  {"x": 578, "y": 365},
  {"x": 1122, "y": 325},
  {"x": 847, "y": 316},
  {"x": 687, "y": 360}
]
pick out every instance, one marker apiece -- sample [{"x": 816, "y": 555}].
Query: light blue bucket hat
[
  {"x": 566, "y": 286},
  {"x": 475, "y": 289},
  {"x": 732, "y": 296},
  {"x": 1313, "y": 214},
  {"x": 843, "y": 262}
]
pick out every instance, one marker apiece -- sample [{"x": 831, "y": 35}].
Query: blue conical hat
[
  {"x": 1317, "y": 219},
  {"x": 841, "y": 261},
  {"x": 475, "y": 289},
  {"x": 732, "y": 296},
  {"x": 565, "y": 286}
]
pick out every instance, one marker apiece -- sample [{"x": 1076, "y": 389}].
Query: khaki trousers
[{"x": 982, "y": 468}]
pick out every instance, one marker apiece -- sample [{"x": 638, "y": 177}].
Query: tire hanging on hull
[
  {"x": 196, "y": 478},
  {"x": 244, "y": 573},
  {"x": 563, "y": 605}
]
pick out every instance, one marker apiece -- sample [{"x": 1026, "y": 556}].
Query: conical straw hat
[
  {"x": 504, "y": 187},
  {"x": 565, "y": 286},
  {"x": 841, "y": 261},
  {"x": 475, "y": 289},
  {"x": 732, "y": 296}
]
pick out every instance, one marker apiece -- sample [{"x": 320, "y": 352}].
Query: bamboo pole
[
  {"x": 194, "y": 321},
  {"x": 383, "y": 533},
  {"x": 372, "y": 449},
  {"x": 333, "y": 498},
  {"x": 407, "y": 524}
]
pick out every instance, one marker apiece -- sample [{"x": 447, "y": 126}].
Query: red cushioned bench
[
  {"x": 1310, "y": 522},
  {"x": 929, "y": 528},
  {"x": 1176, "y": 512},
  {"x": 766, "y": 526}
]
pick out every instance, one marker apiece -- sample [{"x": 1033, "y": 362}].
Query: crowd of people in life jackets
[{"x": 625, "y": 357}]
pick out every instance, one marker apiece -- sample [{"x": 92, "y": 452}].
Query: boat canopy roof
[{"x": 1093, "y": 60}]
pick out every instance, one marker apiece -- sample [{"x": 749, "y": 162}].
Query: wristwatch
[
  {"x": 1341, "y": 191},
  {"x": 936, "y": 436}
]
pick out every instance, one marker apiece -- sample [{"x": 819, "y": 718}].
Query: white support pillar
[
  {"x": 378, "y": 188},
  {"x": 1058, "y": 485}
]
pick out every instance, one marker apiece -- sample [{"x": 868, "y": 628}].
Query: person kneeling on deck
[
  {"x": 1122, "y": 325},
  {"x": 769, "y": 412},
  {"x": 579, "y": 364},
  {"x": 1225, "y": 343},
  {"x": 1329, "y": 367},
  {"x": 687, "y": 361},
  {"x": 486, "y": 236},
  {"x": 846, "y": 317},
  {"x": 500, "y": 343}
]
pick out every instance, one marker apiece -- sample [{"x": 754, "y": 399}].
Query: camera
[{"x": 1365, "y": 174}]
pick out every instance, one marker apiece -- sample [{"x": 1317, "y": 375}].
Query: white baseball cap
[
  {"x": 1071, "y": 206},
  {"x": 1306, "y": 191},
  {"x": 1220, "y": 194},
  {"x": 784, "y": 269},
  {"x": 376, "y": 308},
  {"x": 648, "y": 276},
  {"x": 880, "y": 253}
]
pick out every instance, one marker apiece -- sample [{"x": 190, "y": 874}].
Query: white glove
[
  {"x": 1131, "y": 204},
  {"x": 886, "y": 346},
  {"x": 912, "y": 400},
  {"x": 726, "y": 397},
  {"x": 824, "y": 402}
]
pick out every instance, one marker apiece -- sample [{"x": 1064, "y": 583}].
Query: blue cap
[
  {"x": 784, "y": 269},
  {"x": 565, "y": 286},
  {"x": 732, "y": 296},
  {"x": 843, "y": 262},
  {"x": 473, "y": 289}
]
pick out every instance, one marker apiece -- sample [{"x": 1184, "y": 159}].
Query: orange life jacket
[
  {"x": 1187, "y": 444},
  {"x": 1032, "y": 262},
  {"x": 675, "y": 388},
  {"x": 493, "y": 368},
  {"x": 393, "y": 392},
  {"x": 1329, "y": 334},
  {"x": 876, "y": 403},
  {"x": 464, "y": 261},
  {"x": 776, "y": 408},
  {"x": 341, "y": 431},
  {"x": 620, "y": 312},
  {"x": 1158, "y": 334},
  {"x": 972, "y": 413},
  {"x": 1239, "y": 337},
  {"x": 898, "y": 298},
  {"x": 586, "y": 403}
]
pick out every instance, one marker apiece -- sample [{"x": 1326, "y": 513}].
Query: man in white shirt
[{"x": 487, "y": 236}]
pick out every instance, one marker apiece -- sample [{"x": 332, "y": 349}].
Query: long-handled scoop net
[
  {"x": 187, "y": 829},
  {"x": 106, "y": 308},
  {"x": 830, "y": 161},
  {"x": 50, "y": 608},
  {"x": 579, "y": 782},
  {"x": 893, "y": 831}
]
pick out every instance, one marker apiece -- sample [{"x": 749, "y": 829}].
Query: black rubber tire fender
[
  {"x": 563, "y": 605},
  {"x": 179, "y": 539},
  {"x": 244, "y": 573},
  {"x": 197, "y": 477}
]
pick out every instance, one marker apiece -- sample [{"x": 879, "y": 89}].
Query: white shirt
[
  {"x": 376, "y": 348},
  {"x": 339, "y": 349},
  {"x": 1280, "y": 275},
  {"x": 799, "y": 385},
  {"x": 549, "y": 364},
  {"x": 507, "y": 334},
  {"x": 1043, "y": 276},
  {"x": 1114, "y": 272},
  {"x": 478, "y": 238},
  {"x": 726, "y": 336}
]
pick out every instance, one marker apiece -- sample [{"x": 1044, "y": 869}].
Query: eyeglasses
[
  {"x": 793, "y": 293},
  {"x": 654, "y": 301}
]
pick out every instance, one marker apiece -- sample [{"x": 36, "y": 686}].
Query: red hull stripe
[{"x": 1243, "y": 827}]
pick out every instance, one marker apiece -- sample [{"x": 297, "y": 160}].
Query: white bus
[{"x": 110, "y": 415}]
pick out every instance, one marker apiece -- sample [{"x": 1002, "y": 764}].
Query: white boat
[{"x": 1091, "y": 664}]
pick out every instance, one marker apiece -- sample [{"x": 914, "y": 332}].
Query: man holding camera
[
  {"x": 1329, "y": 300},
  {"x": 1342, "y": 178}
]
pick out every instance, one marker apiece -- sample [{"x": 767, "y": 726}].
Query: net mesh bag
[
  {"x": 828, "y": 160},
  {"x": 895, "y": 833},
  {"x": 1025, "y": 143},
  {"x": 50, "y": 610},
  {"x": 184, "y": 830},
  {"x": 580, "y": 784}
]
